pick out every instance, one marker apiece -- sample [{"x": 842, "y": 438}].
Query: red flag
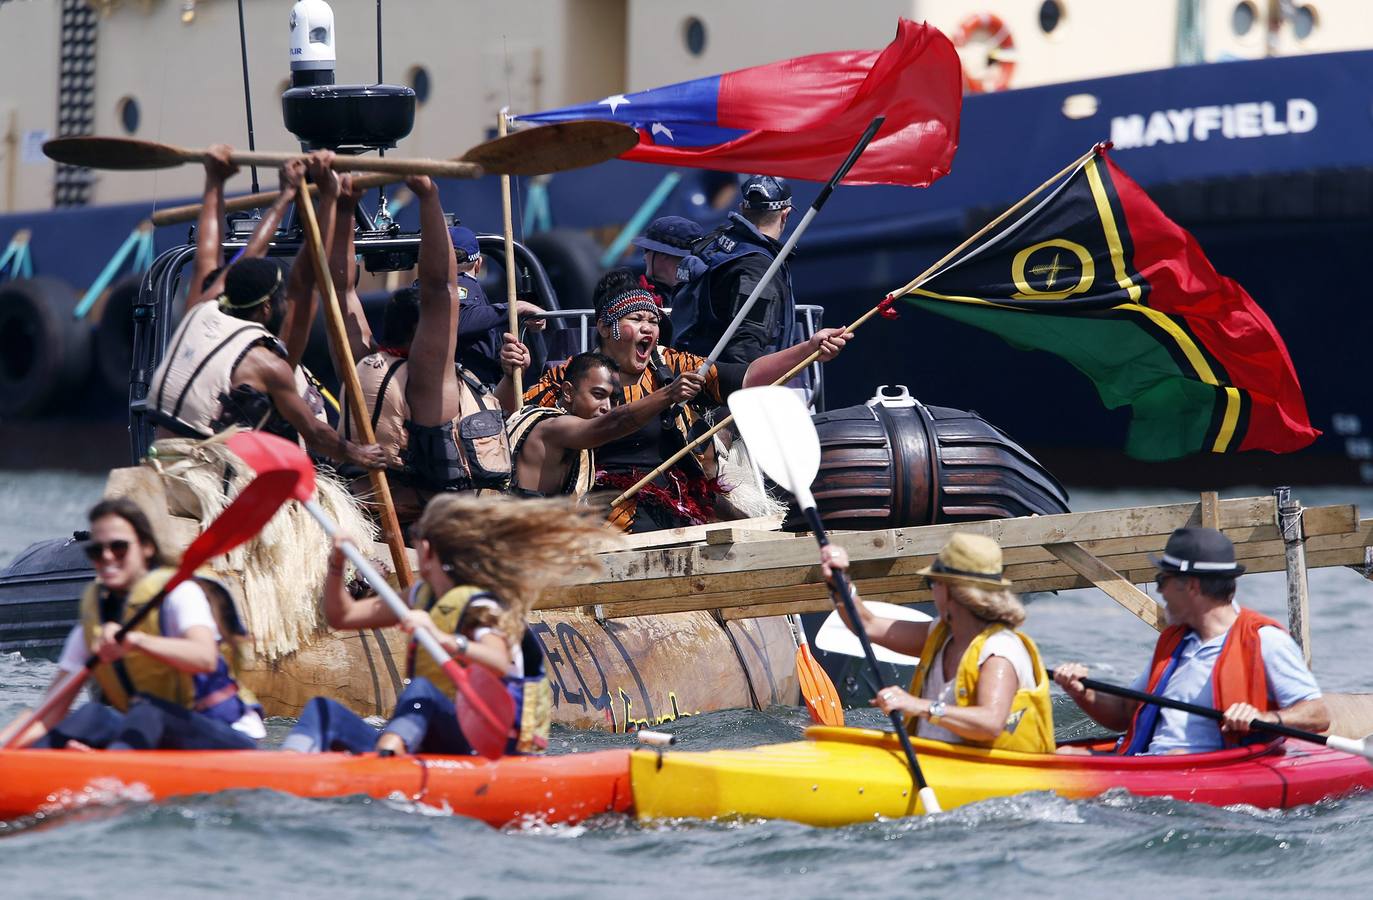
[{"x": 798, "y": 118}]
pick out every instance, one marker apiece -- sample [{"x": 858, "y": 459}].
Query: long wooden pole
[
  {"x": 513, "y": 315},
  {"x": 886, "y": 302},
  {"x": 333, "y": 319}
]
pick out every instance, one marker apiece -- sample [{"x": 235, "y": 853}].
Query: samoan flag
[{"x": 800, "y": 117}]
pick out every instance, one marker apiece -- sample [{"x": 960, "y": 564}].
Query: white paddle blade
[
  {"x": 835, "y": 637},
  {"x": 1361, "y": 747},
  {"x": 780, "y": 436}
]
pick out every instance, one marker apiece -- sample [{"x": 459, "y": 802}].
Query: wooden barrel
[
  {"x": 619, "y": 674},
  {"x": 895, "y": 462}
]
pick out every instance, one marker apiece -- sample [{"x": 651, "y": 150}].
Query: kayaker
[
  {"x": 236, "y": 362},
  {"x": 1214, "y": 653},
  {"x": 627, "y": 319},
  {"x": 980, "y": 680},
  {"x": 553, "y": 447},
  {"x": 482, "y": 563},
  {"x": 441, "y": 429},
  {"x": 170, "y": 684}
]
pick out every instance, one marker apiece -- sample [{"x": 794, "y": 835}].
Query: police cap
[{"x": 765, "y": 192}]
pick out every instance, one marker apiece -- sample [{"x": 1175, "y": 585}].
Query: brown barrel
[{"x": 897, "y": 462}]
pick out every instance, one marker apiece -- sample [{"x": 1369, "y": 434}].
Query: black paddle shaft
[
  {"x": 845, "y": 592},
  {"x": 1204, "y": 711},
  {"x": 134, "y": 621}
]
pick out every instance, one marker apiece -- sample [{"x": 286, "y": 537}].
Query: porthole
[
  {"x": 129, "y": 114},
  {"x": 1243, "y": 18},
  {"x": 1050, "y": 16},
  {"x": 418, "y": 79},
  {"x": 694, "y": 36},
  {"x": 1304, "y": 21}
]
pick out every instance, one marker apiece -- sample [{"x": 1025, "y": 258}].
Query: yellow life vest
[
  {"x": 532, "y": 694},
  {"x": 1030, "y": 725},
  {"x": 144, "y": 674}
]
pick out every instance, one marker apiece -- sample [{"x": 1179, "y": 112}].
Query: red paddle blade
[
  {"x": 268, "y": 454},
  {"x": 817, "y": 690},
  {"x": 279, "y": 477},
  {"x": 486, "y": 711}
]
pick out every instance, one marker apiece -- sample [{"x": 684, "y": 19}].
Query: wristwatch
[
  {"x": 937, "y": 710},
  {"x": 460, "y": 642}
]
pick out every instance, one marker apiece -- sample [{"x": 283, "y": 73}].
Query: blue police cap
[
  {"x": 672, "y": 235},
  {"x": 765, "y": 192},
  {"x": 464, "y": 243}
]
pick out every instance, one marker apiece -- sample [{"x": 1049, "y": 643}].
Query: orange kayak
[{"x": 508, "y": 791}]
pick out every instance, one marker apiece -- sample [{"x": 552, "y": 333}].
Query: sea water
[{"x": 260, "y": 843}]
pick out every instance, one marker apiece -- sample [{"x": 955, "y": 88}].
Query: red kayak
[{"x": 509, "y": 791}]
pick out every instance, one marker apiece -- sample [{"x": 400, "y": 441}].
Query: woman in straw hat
[{"x": 979, "y": 680}]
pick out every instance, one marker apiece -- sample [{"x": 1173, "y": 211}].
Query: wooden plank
[
  {"x": 718, "y": 536},
  {"x": 688, "y": 534},
  {"x": 1110, "y": 581},
  {"x": 1210, "y": 509}
]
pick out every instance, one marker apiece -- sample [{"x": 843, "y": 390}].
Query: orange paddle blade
[{"x": 817, "y": 690}]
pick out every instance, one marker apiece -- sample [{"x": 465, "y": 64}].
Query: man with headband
[
  {"x": 225, "y": 365},
  {"x": 627, "y": 321}
]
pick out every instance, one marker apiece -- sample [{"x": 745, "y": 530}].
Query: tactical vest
[
  {"x": 478, "y": 430},
  {"x": 139, "y": 673},
  {"x": 532, "y": 695},
  {"x": 1030, "y": 725},
  {"x": 581, "y": 474},
  {"x": 197, "y": 369},
  {"x": 695, "y": 325}
]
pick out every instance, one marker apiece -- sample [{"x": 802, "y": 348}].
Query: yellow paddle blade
[
  {"x": 553, "y": 148},
  {"x": 817, "y": 690}
]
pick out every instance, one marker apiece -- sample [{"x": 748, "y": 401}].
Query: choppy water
[{"x": 268, "y": 844}]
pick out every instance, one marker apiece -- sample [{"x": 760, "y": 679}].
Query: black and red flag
[{"x": 1092, "y": 271}]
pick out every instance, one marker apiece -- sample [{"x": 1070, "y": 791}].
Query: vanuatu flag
[{"x": 1092, "y": 271}]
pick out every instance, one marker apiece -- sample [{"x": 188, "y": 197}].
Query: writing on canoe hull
[{"x": 577, "y": 676}]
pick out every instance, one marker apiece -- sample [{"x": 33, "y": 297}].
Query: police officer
[
  {"x": 481, "y": 322},
  {"x": 727, "y": 265},
  {"x": 666, "y": 242}
]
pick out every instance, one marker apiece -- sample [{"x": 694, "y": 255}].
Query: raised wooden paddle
[
  {"x": 280, "y": 476},
  {"x": 513, "y": 314},
  {"x": 781, "y": 438},
  {"x": 533, "y": 151},
  {"x": 128, "y": 154}
]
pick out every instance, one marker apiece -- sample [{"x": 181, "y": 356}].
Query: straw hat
[{"x": 968, "y": 559}]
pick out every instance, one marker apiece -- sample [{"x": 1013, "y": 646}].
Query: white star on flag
[
  {"x": 660, "y": 128},
  {"x": 614, "y": 102}
]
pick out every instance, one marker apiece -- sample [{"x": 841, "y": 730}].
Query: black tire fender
[{"x": 44, "y": 350}]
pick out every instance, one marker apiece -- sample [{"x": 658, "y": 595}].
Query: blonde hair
[
  {"x": 988, "y": 604},
  {"x": 510, "y": 547}
]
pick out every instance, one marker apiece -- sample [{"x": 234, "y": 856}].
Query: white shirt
[
  {"x": 185, "y": 608},
  {"x": 1004, "y": 644}
]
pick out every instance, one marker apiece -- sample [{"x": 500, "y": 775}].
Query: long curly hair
[
  {"x": 511, "y": 547},
  {"x": 989, "y": 604}
]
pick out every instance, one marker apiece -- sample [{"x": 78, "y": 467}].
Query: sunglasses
[
  {"x": 1161, "y": 579},
  {"x": 95, "y": 550}
]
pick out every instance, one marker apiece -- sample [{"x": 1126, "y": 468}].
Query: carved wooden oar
[
  {"x": 131, "y": 154},
  {"x": 534, "y": 151}
]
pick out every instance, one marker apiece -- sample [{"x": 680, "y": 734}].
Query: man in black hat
[
  {"x": 666, "y": 242},
  {"x": 481, "y": 323},
  {"x": 1207, "y": 656},
  {"x": 726, "y": 267}
]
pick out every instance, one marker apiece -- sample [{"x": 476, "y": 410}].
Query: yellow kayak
[{"x": 839, "y": 776}]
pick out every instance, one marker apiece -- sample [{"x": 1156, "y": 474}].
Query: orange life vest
[{"x": 1238, "y": 677}]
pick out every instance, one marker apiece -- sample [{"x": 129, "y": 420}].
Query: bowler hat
[
  {"x": 1198, "y": 551},
  {"x": 968, "y": 559}
]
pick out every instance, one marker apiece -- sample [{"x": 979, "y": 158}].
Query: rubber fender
[
  {"x": 44, "y": 351},
  {"x": 113, "y": 337},
  {"x": 573, "y": 261}
]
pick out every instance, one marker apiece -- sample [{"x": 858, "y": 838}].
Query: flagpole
[
  {"x": 796, "y": 233},
  {"x": 882, "y": 307}
]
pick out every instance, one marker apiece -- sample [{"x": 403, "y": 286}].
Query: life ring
[
  {"x": 1000, "y": 61},
  {"x": 44, "y": 349}
]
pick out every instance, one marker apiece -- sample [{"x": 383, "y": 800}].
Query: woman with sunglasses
[{"x": 168, "y": 684}]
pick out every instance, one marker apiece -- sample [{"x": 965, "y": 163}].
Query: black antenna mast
[{"x": 247, "y": 94}]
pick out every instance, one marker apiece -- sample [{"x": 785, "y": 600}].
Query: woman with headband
[{"x": 628, "y": 314}]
